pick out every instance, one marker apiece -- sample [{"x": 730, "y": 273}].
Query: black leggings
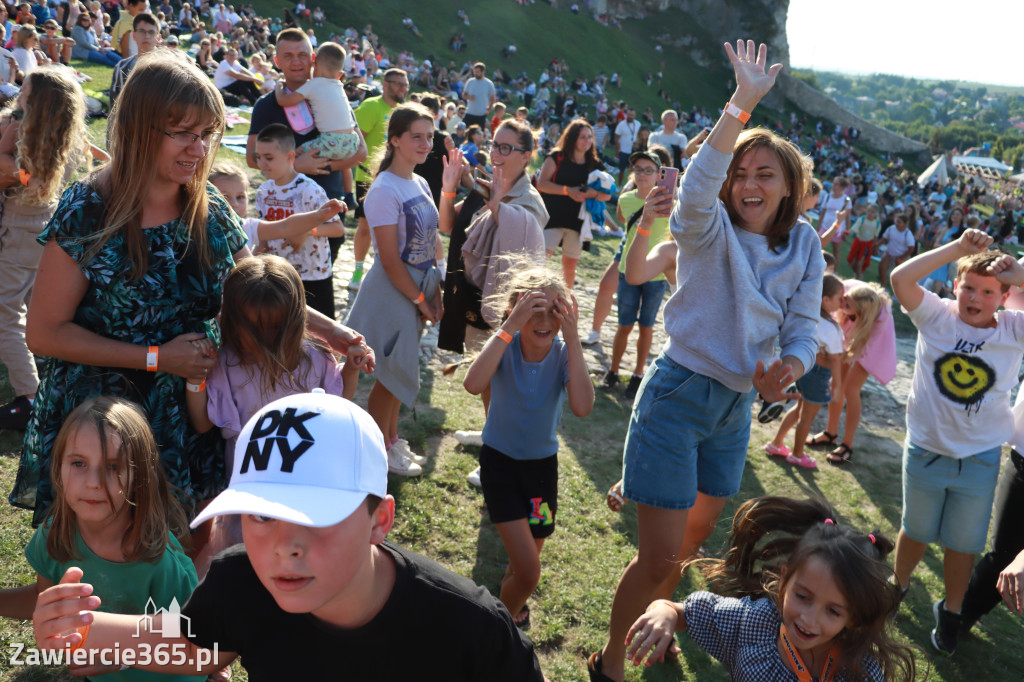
[
  {"x": 982, "y": 595},
  {"x": 320, "y": 295}
]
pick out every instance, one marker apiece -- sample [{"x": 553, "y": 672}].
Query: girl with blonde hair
[
  {"x": 869, "y": 340},
  {"x": 41, "y": 145}
]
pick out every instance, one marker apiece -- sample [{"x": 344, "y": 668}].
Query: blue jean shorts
[
  {"x": 814, "y": 386},
  {"x": 949, "y": 499},
  {"x": 687, "y": 433},
  {"x": 640, "y": 301}
]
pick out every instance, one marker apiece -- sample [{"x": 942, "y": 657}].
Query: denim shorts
[
  {"x": 687, "y": 433},
  {"x": 949, "y": 499},
  {"x": 640, "y": 301},
  {"x": 814, "y": 386}
]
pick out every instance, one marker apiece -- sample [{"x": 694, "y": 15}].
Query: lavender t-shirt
[{"x": 393, "y": 200}]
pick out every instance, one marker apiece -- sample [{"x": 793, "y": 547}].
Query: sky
[{"x": 976, "y": 40}]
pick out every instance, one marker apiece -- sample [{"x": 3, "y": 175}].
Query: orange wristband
[
  {"x": 504, "y": 336},
  {"x": 195, "y": 388},
  {"x": 24, "y": 176},
  {"x": 642, "y": 231},
  {"x": 565, "y": 190},
  {"x": 736, "y": 112},
  {"x": 152, "y": 358},
  {"x": 314, "y": 231},
  {"x": 419, "y": 299},
  {"x": 84, "y": 632},
  {"x": 448, "y": 195}
]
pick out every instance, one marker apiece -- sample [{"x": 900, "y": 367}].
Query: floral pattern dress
[{"x": 175, "y": 296}]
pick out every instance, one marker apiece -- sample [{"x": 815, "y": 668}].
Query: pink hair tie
[
  {"x": 829, "y": 522},
  {"x": 871, "y": 536}
]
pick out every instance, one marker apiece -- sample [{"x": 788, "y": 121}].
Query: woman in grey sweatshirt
[{"x": 749, "y": 272}]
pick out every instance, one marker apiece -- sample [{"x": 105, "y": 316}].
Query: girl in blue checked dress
[
  {"x": 811, "y": 600},
  {"x": 530, "y": 370}
]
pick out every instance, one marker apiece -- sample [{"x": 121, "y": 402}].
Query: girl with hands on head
[
  {"x": 530, "y": 372},
  {"x": 749, "y": 275}
]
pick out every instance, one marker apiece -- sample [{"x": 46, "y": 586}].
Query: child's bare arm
[
  {"x": 286, "y": 99},
  {"x": 579, "y": 387},
  {"x": 62, "y": 609},
  {"x": 835, "y": 365},
  {"x": 299, "y": 223},
  {"x": 19, "y": 602},
  {"x": 640, "y": 266},
  {"x": 478, "y": 378},
  {"x": 197, "y": 400},
  {"x": 97, "y": 153},
  {"x": 8, "y": 164},
  {"x": 1008, "y": 271},
  {"x": 653, "y": 632},
  {"x": 905, "y": 277}
]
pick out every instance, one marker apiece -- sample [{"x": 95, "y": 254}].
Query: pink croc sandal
[
  {"x": 777, "y": 450},
  {"x": 806, "y": 461}
]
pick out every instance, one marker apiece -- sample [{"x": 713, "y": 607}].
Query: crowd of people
[{"x": 192, "y": 395}]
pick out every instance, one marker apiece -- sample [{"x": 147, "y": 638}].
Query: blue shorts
[
  {"x": 949, "y": 499},
  {"x": 814, "y": 386},
  {"x": 640, "y": 301},
  {"x": 624, "y": 160},
  {"x": 687, "y": 433}
]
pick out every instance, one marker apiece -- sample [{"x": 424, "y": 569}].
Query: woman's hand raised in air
[{"x": 753, "y": 80}]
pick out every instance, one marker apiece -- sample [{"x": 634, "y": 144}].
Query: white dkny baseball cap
[{"x": 309, "y": 459}]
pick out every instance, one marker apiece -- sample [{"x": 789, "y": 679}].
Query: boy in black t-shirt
[{"x": 316, "y": 589}]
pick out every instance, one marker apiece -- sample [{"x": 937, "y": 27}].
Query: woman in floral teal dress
[{"x": 130, "y": 281}]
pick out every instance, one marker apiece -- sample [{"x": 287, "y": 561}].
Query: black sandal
[
  {"x": 816, "y": 442},
  {"x": 522, "y": 620},
  {"x": 841, "y": 455},
  {"x": 594, "y": 668}
]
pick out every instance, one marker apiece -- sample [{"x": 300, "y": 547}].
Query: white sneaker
[
  {"x": 474, "y": 478},
  {"x": 403, "y": 446},
  {"x": 470, "y": 438},
  {"x": 400, "y": 465},
  {"x": 590, "y": 339}
]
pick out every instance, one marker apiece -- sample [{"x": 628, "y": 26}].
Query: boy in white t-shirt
[
  {"x": 287, "y": 192},
  {"x": 958, "y": 412},
  {"x": 332, "y": 113}
]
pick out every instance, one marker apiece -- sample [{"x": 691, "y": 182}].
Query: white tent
[{"x": 937, "y": 170}]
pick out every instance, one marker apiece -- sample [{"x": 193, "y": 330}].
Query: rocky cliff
[{"x": 765, "y": 21}]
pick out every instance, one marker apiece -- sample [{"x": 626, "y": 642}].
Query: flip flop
[
  {"x": 614, "y": 498},
  {"x": 777, "y": 450},
  {"x": 522, "y": 620},
  {"x": 594, "y": 668}
]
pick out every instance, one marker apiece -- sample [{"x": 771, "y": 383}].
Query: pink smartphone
[{"x": 667, "y": 177}]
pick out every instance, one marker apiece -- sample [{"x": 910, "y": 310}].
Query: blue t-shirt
[
  {"x": 526, "y": 402},
  {"x": 267, "y": 111},
  {"x": 469, "y": 151}
]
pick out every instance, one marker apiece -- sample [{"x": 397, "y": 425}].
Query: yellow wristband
[
  {"x": 152, "y": 358},
  {"x": 419, "y": 299},
  {"x": 642, "y": 231},
  {"x": 504, "y": 336}
]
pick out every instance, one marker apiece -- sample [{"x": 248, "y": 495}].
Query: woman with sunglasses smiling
[
  {"x": 130, "y": 281},
  {"x": 497, "y": 224}
]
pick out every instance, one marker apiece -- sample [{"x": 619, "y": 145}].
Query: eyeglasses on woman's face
[
  {"x": 183, "y": 138},
  {"x": 504, "y": 149},
  {"x": 644, "y": 170}
]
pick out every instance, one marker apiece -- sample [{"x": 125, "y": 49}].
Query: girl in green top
[{"x": 113, "y": 516}]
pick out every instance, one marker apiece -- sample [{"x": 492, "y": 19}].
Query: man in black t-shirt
[{"x": 316, "y": 589}]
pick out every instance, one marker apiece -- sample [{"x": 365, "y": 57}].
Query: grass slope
[{"x": 541, "y": 34}]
